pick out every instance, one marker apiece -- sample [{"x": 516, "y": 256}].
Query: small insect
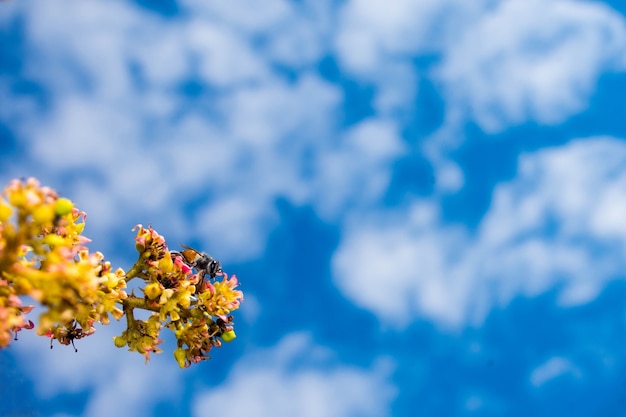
[
  {"x": 68, "y": 333},
  {"x": 203, "y": 263}
]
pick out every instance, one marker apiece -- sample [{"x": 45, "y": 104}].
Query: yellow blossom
[
  {"x": 221, "y": 297},
  {"x": 153, "y": 290},
  {"x": 43, "y": 255}
]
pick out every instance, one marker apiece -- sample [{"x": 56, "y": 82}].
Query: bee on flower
[{"x": 204, "y": 264}]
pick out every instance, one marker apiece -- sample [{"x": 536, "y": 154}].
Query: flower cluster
[
  {"x": 196, "y": 310},
  {"x": 43, "y": 255}
]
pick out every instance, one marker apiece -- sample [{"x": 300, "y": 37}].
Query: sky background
[{"x": 424, "y": 200}]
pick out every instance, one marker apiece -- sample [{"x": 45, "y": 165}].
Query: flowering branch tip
[{"x": 43, "y": 255}]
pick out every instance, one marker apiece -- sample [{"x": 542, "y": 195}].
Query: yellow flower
[
  {"x": 43, "y": 255},
  {"x": 221, "y": 297},
  {"x": 153, "y": 290}
]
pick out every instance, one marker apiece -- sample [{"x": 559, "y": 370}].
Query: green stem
[
  {"x": 130, "y": 318},
  {"x": 131, "y": 303},
  {"x": 134, "y": 272},
  {"x": 137, "y": 271}
]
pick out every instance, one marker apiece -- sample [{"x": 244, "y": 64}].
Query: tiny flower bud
[
  {"x": 63, "y": 206},
  {"x": 228, "y": 336},
  {"x": 119, "y": 341},
  {"x": 180, "y": 356}
]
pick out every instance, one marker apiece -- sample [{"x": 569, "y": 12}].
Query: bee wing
[{"x": 188, "y": 248}]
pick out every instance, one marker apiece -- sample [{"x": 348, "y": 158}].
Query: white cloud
[
  {"x": 372, "y": 32},
  {"x": 81, "y": 133},
  {"x": 87, "y": 50},
  {"x": 557, "y": 202},
  {"x": 138, "y": 389},
  {"x": 571, "y": 182},
  {"x": 292, "y": 34},
  {"x": 532, "y": 60},
  {"x": 237, "y": 225},
  {"x": 244, "y": 15},
  {"x": 298, "y": 378},
  {"x": 553, "y": 368},
  {"x": 356, "y": 171},
  {"x": 128, "y": 385},
  {"x": 375, "y": 41},
  {"x": 401, "y": 266},
  {"x": 277, "y": 111},
  {"x": 164, "y": 57},
  {"x": 379, "y": 43},
  {"x": 298, "y": 42},
  {"x": 225, "y": 57},
  {"x": 557, "y": 222}
]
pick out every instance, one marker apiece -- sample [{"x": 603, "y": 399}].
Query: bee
[{"x": 203, "y": 263}]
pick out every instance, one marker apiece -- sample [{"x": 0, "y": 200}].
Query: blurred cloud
[
  {"x": 355, "y": 171},
  {"x": 298, "y": 377},
  {"x": 554, "y": 224},
  {"x": 517, "y": 61},
  {"x": 542, "y": 65},
  {"x": 224, "y": 58},
  {"x": 61, "y": 371},
  {"x": 551, "y": 369},
  {"x": 242, "y": 14},
  {"x": 371, "y": 33},
  {"x": 376, "y": 44}
]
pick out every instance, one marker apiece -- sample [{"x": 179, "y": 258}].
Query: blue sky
[{"x": 424, "y": 200}]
